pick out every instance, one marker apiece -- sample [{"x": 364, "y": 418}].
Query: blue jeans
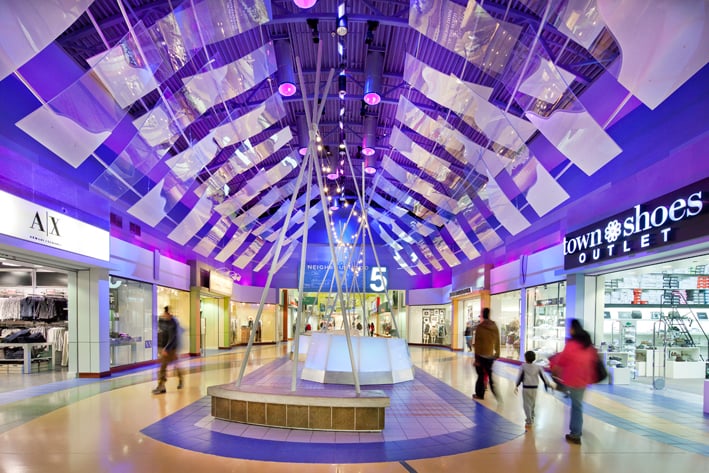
[{"x": 576, "y": 421}]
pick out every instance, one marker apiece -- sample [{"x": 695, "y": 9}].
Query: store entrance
[
  {"x": 655, "y": 322},
  {"x": 213, "y": 321},
  {"x": 34, "y": 322}
]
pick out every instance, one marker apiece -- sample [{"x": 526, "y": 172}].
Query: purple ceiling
[{"x": 495, "y": 118}]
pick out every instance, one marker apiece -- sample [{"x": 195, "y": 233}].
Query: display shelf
[
  {"x": 617, "y": 373},
  {"x": 644, "y": 360},
  {"x": 549, "y": 329},
  {"x": 685, "y": 369}
]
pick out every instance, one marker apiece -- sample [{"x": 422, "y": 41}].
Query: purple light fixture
[
  {"x": 301, "y": 124},
  {"x": 305, "y": 3},
  {"x": 369, "y": 135},
  {"x": 284, "y": 74},
  {"x": 333, "y": 173},
  {"x": 369, "y": 167},
  {"x": 373, "y": 68}
]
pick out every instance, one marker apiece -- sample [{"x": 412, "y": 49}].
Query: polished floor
[{"x": 49, "y": 423}]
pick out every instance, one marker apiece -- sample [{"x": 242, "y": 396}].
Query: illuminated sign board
[
  {"x": 320, "y": 277},
  {"x": 672, "y": 218},
  {"x": 220, "y": 283},
  {"x": 31, "y": 222}
]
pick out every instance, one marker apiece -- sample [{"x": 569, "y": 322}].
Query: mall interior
[{"x": 326, "y": 194}]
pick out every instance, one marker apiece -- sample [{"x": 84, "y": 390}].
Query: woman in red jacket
[{"x": 576, "y": 366}]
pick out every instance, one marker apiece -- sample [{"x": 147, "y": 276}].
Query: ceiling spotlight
[
  {"x": 313, "y": 24},
  {"x": 305, "y": 3},
  {"x": 369, "y": 135},
  {"x": 373, "y": 68},
  {"x": 369, "y": 167},
  {"x": 342, "y": 84},
  {"x": 301, "y": 128},
  {"x": 284, "y": 74}
]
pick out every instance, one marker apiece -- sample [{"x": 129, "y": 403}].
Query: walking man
[
  {"x": 168, "y": 343},
  {"x": 487, "y": 349}
]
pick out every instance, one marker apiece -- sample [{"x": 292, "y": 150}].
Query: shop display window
[
  {"x": 131, "y": 321},
  {"x": 179, "y": 303},
  {"x": 430, "y": 325},
  {"x": 505, "y": 310},
  {"x": 654, "y": 318},
  {"x": 33, "y": 309},
  {"x": 546, "y": 319},
  {"x": 245, "y": 319}
]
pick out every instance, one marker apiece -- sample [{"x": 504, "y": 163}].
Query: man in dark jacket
[
  {"x": 168, "y": 343},
  {"x": 487, "y": 350}
]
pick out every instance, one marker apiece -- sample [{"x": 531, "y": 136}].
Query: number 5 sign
[{"x": 378, "y": 281}]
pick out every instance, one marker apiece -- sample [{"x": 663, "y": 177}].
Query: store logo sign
[
  {"x": 320, "y": 276},
  {"x": 49, "y": 225},
  {"x": 28, "y": 221},
  {"x": 643, "y": 227}
]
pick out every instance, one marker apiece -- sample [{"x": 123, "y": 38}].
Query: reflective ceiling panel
[{"x": 169, "y": 112}]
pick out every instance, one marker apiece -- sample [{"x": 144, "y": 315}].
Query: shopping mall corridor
[{"x": 50, "y": 423}]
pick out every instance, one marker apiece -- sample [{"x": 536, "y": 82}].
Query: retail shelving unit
[
  {"x": 681, "y": 301},
  {"x": 548, "y": 332}
]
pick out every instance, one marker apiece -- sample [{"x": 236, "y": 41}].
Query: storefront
[
  {"x": 528, "y": 304},
  {"x": 141, "y": 284},
  {"x": 212, "y": 297},
  {"x": 648, "y": 268},
  {"x": 467, "y": 305},
  {"x": 546, "y": 319},
  {"x": 507, "y": 308},
  {"x": 131, "y": 321},
  {"x": 53, "y": 278},
  {"x": 33, "y": 309}
]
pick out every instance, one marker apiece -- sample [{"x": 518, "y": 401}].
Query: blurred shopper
[
  {"x": 486, "y": 343},
  {"x": 168, "y": 344}
]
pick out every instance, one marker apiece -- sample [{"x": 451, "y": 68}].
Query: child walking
[{"x": 529, "y": 375}]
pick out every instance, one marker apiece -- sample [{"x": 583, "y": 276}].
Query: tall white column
[{"x": 89, "y": 340}]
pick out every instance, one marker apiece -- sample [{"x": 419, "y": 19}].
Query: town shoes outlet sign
[{"x": 672, "y": 218}]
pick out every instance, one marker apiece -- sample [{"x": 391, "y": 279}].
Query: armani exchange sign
[
  {"x": 672, "y": 218},
  {"x": 28, "y": 221}
]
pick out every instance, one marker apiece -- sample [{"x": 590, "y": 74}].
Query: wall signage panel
[
  {"x": 220, "y": 283},
  {"x": 31, "y": 222},
  {"x": 320, "y": 277},
  {"x": 679, "y": 216}
]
